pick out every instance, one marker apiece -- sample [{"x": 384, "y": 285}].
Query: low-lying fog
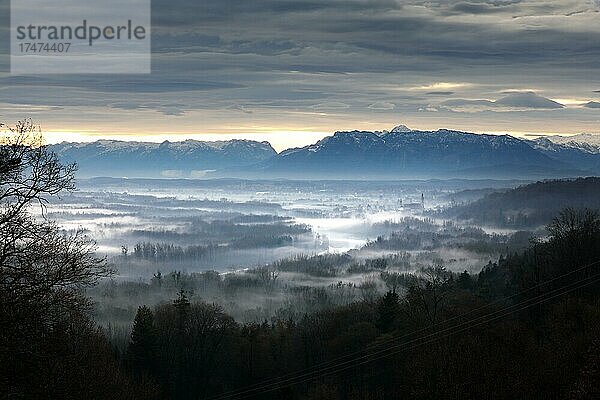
[
  {"x": 274, "y": 246},
  {"x": 337, "y": 218}
]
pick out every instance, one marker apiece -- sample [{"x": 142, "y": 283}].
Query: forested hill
[{"x": 530, "y": 205}]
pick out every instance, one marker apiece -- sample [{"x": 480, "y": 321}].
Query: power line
[
  {"x": 323, "y": 368},
  {"x": 323, "y": 364},
  {"x": 396, "y": 338},
  {"x": 327, "y": 373},
  {"x": 386, "y": 352}
]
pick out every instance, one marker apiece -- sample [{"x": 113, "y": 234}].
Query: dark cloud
[
  {"x": 440, "y": 93},
  {"x": 480, "y": 8},
  {"x": 118, "y": 83},
  {"x": 527, "y": 100},
  {"x": 466, "y": 105},
  {"x": 513, "y": 101},
  {"x": 185, "y": 13},
  {"x": 592, "y": 104},
  {"x": 347, "y": 56}
]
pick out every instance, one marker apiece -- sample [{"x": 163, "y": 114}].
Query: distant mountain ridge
[
  {"x": 585, "y": 140},
  {"x": 189, "y": 158},
  {"x": 401, "y": 153},
  {"x": 581, "y": 154}
]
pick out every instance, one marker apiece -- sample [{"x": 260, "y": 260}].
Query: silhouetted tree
[
  {"x": 42, "y": 271},
  {"x": 47, "y": 342},
  {"x": 387, "y": 311},
  {"x": 426, "y": 296},
  {"x": 464, "y": 280},
  {"x": 574, "y": 234},
  {"x": 142, "y": 347}
]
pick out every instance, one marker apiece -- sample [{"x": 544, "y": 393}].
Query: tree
[
  {"x": 425, "y": 298},
  {"x": 465, "y": 281},
  {"x": 42, "y": 271},
  {"x": 142, "y": 347},
  {"x": 392, "y": 280},
  {"x": 268, "y": 276},
  {"x": 28, "y": 171},
  {"x": 574, "y": 235},
  {"x": 190, "y": 338},
  {"x": 387, "y": 311},
  {"x": 572, "y": 224}
]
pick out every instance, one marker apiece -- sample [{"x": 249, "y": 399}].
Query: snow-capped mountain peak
[
  {"x": 585, "y": 142},
  {"x": 401, "y": 129}
]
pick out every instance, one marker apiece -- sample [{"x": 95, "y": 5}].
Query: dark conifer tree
[
  {"x": 142, "y": 347},
  {"x": 387, "y": 310}
]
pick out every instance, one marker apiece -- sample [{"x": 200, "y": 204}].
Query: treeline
[
  {"x": 525, "y": 327},
  {"x": 255, "y": 295},
  {"x": 237, "y": 228},
  {"x": 406, "y": 223},
  {"x": 223, "y": 231},
  {"x": 140, "y": 202},
  {"x": 169, "y": 252},
  {"x": 530, "y": 205},
  {"x": 323, "y": 265},
  {"x": 342, "y": 265},
  {"x": 449, "y": 235}
]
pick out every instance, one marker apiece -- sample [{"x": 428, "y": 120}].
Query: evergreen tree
[
  {"x": 142, "y": 347},
  {"x": 182, "y": 305},
  {"x": 464, "y": 281},
  {"x": 387, "y": 310}
]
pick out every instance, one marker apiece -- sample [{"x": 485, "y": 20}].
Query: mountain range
[
  {"x": 401, "y": 153},
  {"x": 587, "y": 140},
  {"x": 189, "y": 158}
]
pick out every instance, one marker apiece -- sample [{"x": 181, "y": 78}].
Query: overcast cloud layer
[{"x": 290, "y": 71}]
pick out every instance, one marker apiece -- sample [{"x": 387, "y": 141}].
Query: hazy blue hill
[
  {"x": 189, "y": 158},
  {"x": 530, "y": 205}
]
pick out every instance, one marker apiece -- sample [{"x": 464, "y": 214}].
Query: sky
[{"x": 292, "y": 72}]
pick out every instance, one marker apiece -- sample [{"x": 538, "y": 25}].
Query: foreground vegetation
[{"x": 526, "y": 326}]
